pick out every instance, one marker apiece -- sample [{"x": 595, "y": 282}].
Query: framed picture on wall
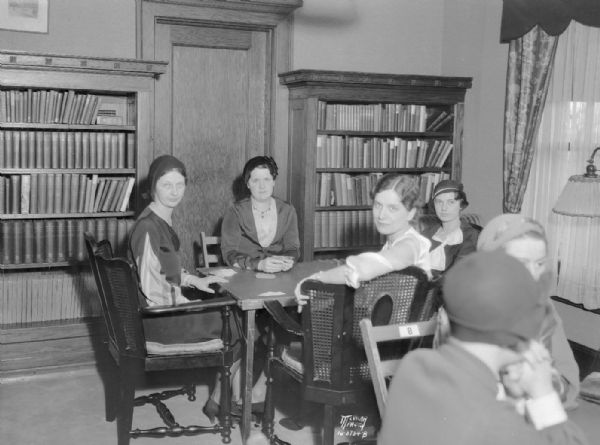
[{"x": 24, "y": 15}]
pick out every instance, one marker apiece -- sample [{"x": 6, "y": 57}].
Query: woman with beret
[
  {"x": 451, "y": 238},
  {"x": 260, "y": 232},
  {"x": 524, "y": 239},
  {"x": 154, "y": 247}
]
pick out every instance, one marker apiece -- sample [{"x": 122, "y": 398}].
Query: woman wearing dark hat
[
  {"x": 525, "y": 239},
  {"x": 154, "y": 247},
  {"x": 260, "y": 232},
  {"x": 451, "y": 238}
]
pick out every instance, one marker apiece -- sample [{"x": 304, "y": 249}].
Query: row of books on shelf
[
  {"x": 342, "y": 189},
  {"x": 66, "y": 149},
  {"x": 44, "y": 295},
  {"x": 46, "y": 193},
  {"x": 382, "y": 117},
  {"x": 356, "y": 152},
  {"x": 350, "y": 228},
  {"x": 49, "y": 106},
  {"x": 57, "y": 240}
]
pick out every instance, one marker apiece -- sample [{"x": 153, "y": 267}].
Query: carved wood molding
[
  {"x": 272, "y": 6},
  {"x": 305, "y": 77},
  {"x": 59, "y": 62}
]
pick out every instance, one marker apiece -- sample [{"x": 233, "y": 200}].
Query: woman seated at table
[
  {"x": 524, "y": 239},
  {"x": 451, "y": 238},
  {"x": 396, "y": 200},
  {"x": 154, "y": 247},
  {"x": 260, "y": 232}
]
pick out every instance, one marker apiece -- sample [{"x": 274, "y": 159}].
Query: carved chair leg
[
  {"x": 329, "y": 425},
  {"x": 112, "y": 394},
  {"x": 128, "y": 374}
]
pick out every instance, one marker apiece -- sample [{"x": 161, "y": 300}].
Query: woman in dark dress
[
  {"x": 451, "y": 238},
  {"x": 154, "y": 247}
]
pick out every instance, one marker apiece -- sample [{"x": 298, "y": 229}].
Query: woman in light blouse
[{"x": 260, "y": 232}]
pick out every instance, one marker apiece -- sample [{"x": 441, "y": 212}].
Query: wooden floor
[{"x": 68, "y": 408}]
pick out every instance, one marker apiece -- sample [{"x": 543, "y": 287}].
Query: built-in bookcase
[
  {"x": 74, "y": 134},
  {"x": 347, "y": 129}
]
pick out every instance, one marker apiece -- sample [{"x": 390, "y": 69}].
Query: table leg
[{"x": 247, "y": 378}]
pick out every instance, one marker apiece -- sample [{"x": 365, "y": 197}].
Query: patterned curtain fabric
[{"x": 530, "y": 61}]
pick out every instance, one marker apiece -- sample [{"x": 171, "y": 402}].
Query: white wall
[
  {"x": 385, "y": 36},
  {"x": 102, "y": 28}
]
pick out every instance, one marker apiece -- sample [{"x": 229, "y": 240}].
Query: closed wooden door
[{"x": 212, "y": 112}]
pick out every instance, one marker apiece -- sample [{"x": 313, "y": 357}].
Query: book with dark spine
[
  {"x": 16, "y": 149},
  {"x": 90, "y": 198},
  {"x": 68, "y": 107},
  {"x": 33, "y": 199},
  {"x": 42, "y": 199},
  {"x": 7, "y": 237},
  {"x": 50, "y": 193},
  {"x": 2, "y": 148},
  {"x": 99, "y": 150},
  {"x": 8, "y": 152},
  {"x": 61, "y": 244},
  {"x": 93, "y": 148},
  {"x": 47, "y": 149},
  {"x": 55, "y": 151},
  {"x": 66, "y": 193},
  {"x": 28, "y": 242},
  {"x": 49, "y": 238},
  {"x": 121, "y": 151},
  {"x": 38, "y": 236},
  {"x": 24, "y": 161},
  {"x": 115, "y": 203},
  {"x": 99, "y": 195},
  {"x": 108, "y": 150},
  {"x": 18, "y": 242},
  {"x": 71, "y": 240},
  {"x": 83, "y": 180},
  {"x": 2, "y": 195},
  {"x": 31, "y": 149}
]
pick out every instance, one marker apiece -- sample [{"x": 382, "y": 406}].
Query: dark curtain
[
  {"x": 530, "y": 60},
  {"x": 553, "y": 16}
]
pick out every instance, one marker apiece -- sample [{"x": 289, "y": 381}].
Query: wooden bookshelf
[
  {"x": 347, "y": 129},
  {"x": 72, "y": 132}
]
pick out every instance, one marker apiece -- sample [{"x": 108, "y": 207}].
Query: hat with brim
[{"x": 490, "y": 297}]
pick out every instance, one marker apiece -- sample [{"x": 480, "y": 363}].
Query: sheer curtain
[{"x": 568, "y": 133}]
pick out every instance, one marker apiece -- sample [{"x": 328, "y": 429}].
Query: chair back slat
[
  {"x": 209, "y": 259},
  {"x": 382, "y": 369}
]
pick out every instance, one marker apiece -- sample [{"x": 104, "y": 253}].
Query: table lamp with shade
[{"x": 578, "y": 218}]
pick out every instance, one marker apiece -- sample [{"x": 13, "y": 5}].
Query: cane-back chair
[
  {"x": 332, "y": 368},
  {"x": 123, "y": 307}
]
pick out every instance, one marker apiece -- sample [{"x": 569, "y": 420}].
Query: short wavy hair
[
  {"x": 407, "y": 187},
  {"x": 259, "y": 162}
]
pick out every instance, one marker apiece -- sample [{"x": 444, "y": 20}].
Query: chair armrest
[
  {"x": 192, "y": 306},
  {"x": 276, "y": 310}
]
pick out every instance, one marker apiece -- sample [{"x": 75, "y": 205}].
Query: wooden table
[{"x": 251, "y": 293}]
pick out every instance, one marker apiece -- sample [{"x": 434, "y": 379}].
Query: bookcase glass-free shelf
[
  {"x": 347, "y": 129},
  {"x": 72, "y": 133}
]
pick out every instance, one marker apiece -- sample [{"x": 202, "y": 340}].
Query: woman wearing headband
[
  {"x": 524, "y": 239},
  {"x": 260, "y": 232}
]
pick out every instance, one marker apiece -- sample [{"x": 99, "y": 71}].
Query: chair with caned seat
[
  {"x": 123, "y": 307},
  {"x": 332, "y": 367}
]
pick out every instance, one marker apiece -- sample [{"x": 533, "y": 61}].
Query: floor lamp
[{"x": 578, "y": 210}]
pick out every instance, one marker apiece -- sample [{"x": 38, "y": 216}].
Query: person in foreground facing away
[
  {"x": 395, "y": 204},
  {"x": 491, "y": 382},
  {"x": 451, "y": 238},
  {"x": 260, "y": 232},
  {"x": 154, "y": 247},
  {"x": 524, "y": 239}
]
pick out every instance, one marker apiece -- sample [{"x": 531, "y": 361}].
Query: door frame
[{"x": 271, "y": 16}]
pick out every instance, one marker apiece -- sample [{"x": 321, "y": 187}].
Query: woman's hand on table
[
  {"x": 274, "y": 264},
  {"x": 203, "y": 283}
]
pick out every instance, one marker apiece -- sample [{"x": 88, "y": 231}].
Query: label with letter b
[{"x": 409, "y": 330}]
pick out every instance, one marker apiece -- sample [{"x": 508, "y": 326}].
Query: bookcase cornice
[
  {"x": 80, "y": 64},
  {"x": 268, "y": 6}
]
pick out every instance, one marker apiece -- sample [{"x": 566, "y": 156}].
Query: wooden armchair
[
  {"x": 209, "y": 248},
  {"x": 333, "y": 369},
  {"x": 123, "y": 307}
]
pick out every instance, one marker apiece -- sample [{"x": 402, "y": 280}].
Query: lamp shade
[{"x": 580, "y": 197}]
